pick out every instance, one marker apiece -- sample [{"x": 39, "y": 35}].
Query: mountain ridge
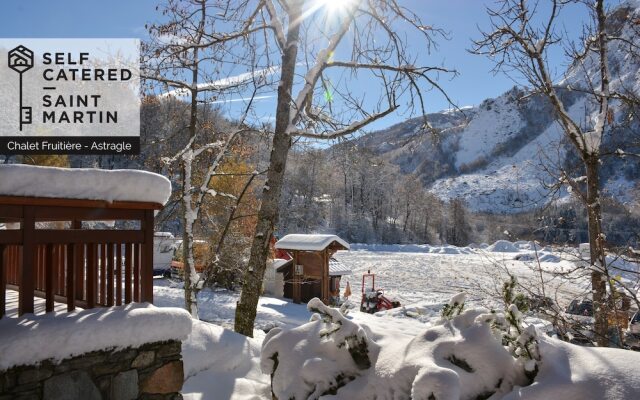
[{"x": 495, "y": 155}]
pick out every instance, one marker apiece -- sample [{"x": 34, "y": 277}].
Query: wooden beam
[
  {"x": 44, "y": 236},
  {"x": 118, "y": 274},
  {"x": 128, "y": 260},
  {"x": 47, "y": 213},
  {"x": 57, "y": 202},
  {"x": 296, "y": 280},
  {"x": 92, "y": 274},
  {"x": 49, "y": 274},
  {"x": 103, "y": 275},
  {"x": 27, "y": 275},
  {"x": 11, "y": 236},
  {"x": 325, "y": 277},
  {"x": 110, "y": 268},
  {"x": 13, "y": 212},
  {"x": 136, "y": 272},
  {"x": 78, "y": 262},
  {"x": 49, "y": 278},
  {"x": 3, "y": 290},
  {"x": 70, "y": 291},
  {"x": 147, "y": 258}
]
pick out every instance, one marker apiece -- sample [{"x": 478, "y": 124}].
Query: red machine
[{"x": 374, "y": 300}]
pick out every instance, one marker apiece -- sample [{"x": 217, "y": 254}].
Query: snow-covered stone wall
[
  {"x": 151, "y": 371},
  {"x": 125, "y": 352}
]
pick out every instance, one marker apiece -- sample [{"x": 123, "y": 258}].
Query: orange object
[{"x": 347, "y": 290}]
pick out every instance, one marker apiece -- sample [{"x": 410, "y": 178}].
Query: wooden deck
[
  {"x": 57, "y": 254},
  {"x": 39, "y": 305}
]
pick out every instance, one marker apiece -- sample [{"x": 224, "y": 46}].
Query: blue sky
[{"x": 120, "y": 18}]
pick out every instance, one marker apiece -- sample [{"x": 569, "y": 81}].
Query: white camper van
[{"x": 164, "y": 245}]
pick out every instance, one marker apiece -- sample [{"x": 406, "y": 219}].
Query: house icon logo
[{"x": 21, "y": 60}]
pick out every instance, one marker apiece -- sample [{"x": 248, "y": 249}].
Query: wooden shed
[{"x": 312, "y": 272}]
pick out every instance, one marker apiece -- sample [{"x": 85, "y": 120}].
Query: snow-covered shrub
[
  {"x": 316, "y": 358},
  {"x": 454, "y": 307},
  {"x": 508, "y": 327},
  {"x": 460, "y": 358},
  {"x": 470, "y": 354}
]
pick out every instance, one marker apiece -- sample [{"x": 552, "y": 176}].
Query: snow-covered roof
[
  {"x": 309, "y": 242},
  {"x": 84, "y": 183},
  {"x": 336, "y": 268},
  {"x": 279, "y": 262},
  {"x": 163, "y": 234}
]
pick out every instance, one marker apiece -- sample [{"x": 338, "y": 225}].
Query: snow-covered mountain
[{"x": 497, "y": 155}]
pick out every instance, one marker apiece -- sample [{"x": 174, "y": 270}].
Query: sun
[{"x": 333, "y": 6}]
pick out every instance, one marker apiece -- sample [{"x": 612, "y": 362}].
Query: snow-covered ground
[
  {"x": 432, "y": 274},
  {"x": 220, "y": 364}
]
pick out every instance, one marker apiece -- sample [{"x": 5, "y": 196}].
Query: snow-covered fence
[{"x": 65, "y": 260}]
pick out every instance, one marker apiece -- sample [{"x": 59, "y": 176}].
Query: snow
[
  {"x": 573, "y": 372},
  {"x": 412, "y": 366},
  {"x": 510, "y": 183},
  {"x": 218, "y": 306},
  {"x": 84, "y": 183},
  {"x": 503, "y": 246},
  {"x": 415, "y": 364},
  {"x": 308, "y": 242},
  {"x": 317, "y": 352},
  {"x": 279, "y": 262},
  {"x": 57, "y": 336},
  {"x": 488, "y": 129},
  {"x": 222, "y": 365},
  {"x": 336, "y": 268}
]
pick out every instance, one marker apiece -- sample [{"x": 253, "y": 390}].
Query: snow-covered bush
[
  {"x": 508, "y": 327},
  {"x": 471, "y": 354},
  {"x": 316, "y": 358},
  {"x": 454, "y": 307}
]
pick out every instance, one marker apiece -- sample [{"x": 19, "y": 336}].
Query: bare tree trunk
[
  {"x": 596, "y": 245},
  {"x": 268, "y": 214}
]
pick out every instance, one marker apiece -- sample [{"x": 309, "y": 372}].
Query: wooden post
[
  {"x": 92, "y": 274},
  {"x": 49, "y": 276},
  {"x": 147, "y": 257},
  {"x": 296, "y": 280},
  {"x": 119, "y": 274},
  {"x": 3, "y": 289},
  {"x": 79, "y": 264},
  {"x": 60, "y": 282},
  {"x": 71, "y": 291},
  {"x": 136, "y": 272},
  {"x": 128, "y": 259},
  {"x": 103, "y": 274},
  {"x": 27, "y": 277},
  {"x": 325, "y": 277},
  {"x": 110, "y": 274}
]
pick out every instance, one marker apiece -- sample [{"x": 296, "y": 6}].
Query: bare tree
[
  {"x": 311, "y": 40},
  {"x": 179, "y": 60},
  {"x": 521, "y": 35}
]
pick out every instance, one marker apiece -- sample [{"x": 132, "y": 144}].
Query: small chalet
[{"x": 312, "y": 272}]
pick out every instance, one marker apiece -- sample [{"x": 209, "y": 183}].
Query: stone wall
[{"x": 152, "y": 371}]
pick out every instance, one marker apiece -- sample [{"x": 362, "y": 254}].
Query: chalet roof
[
  {"x": 280, "y": 264},
  {"x": 336, "y": 268},
  {"x": 309, "y": 242}
]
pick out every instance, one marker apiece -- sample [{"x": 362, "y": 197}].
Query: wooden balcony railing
[{"x": 75, "y": 265}]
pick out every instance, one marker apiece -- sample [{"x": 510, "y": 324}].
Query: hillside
[{"x": 495, "y": 155}]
